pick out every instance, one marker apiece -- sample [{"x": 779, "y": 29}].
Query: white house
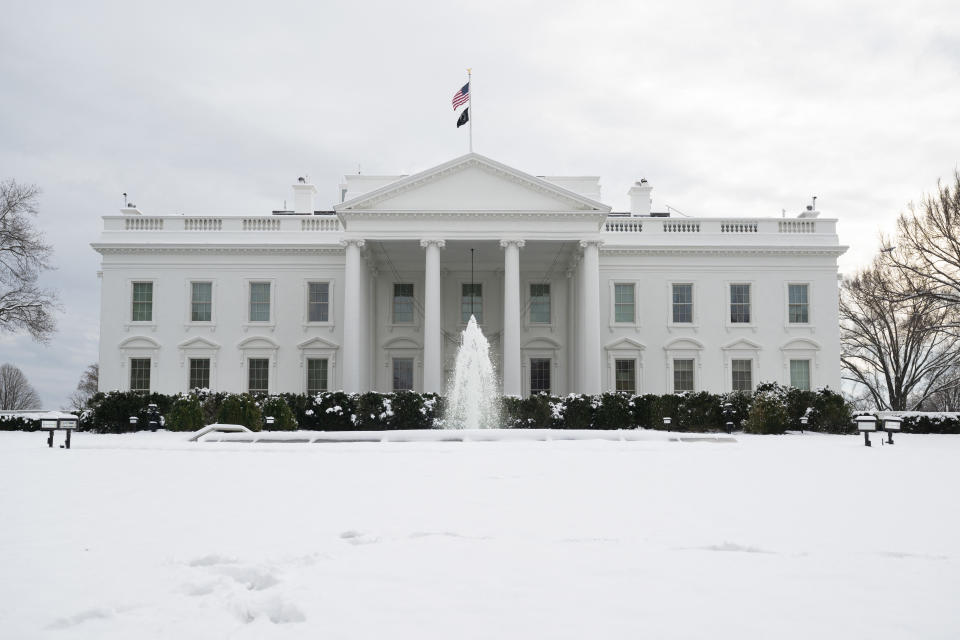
[{"x": 373, "y": 294}]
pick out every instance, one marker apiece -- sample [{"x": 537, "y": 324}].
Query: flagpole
[{"x": 470, "y": 106}]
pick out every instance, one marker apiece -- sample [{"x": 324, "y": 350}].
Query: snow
[{"x": 149, "y": 536}]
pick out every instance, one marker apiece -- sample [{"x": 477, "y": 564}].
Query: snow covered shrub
[
  {"x": 186, "y": 414},
  {"x": 930, "y": 423},
  {"x": 578, "y": 411},
  {"x": 740, "y": 403},
  {"x": 665, "y": 406},
  {"x": 333, "y": 411},
  {"x": 768, "y": 412},
  {"x": 111, "y": 411},
  {"x": 241, "y": 408},
  {"x": 512, "y": 408},
  {"x": 613, "y": 412},
  {"x": 277, "y": 408},
  {"x": 16, "y": 423},
  {"x": 831, "y": 413},
  {"x": 538, "y": 411},
  {"x": 410, "y": 410},
  {"x": 698, "y": 411}
]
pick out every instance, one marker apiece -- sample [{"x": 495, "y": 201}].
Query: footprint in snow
[{"x": 358, "y": 537}]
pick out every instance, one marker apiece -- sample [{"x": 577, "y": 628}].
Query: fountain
[{"x": 472, "y": 398}]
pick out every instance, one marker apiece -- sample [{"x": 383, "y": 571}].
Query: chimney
[
  {"x": 303, "y": 197},
  {"x": 640, "y": 200}
]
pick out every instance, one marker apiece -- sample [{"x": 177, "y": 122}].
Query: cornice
[
  {"x": 155, "y": 249},
  {"x": 716, "y": 250},
  {"x": 374, "y": 214}
]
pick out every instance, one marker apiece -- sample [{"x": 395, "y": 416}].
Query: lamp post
[
  {"x": 269, "y": 420},
  {"x": 803, "y": 423},
  {"x": 666, "y": 422},
  {"x": 728, "y": 415}
]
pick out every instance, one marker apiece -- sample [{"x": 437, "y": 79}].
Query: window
[
  {"x": 403, "y": 374},
  {"x": 259, "y": 302},
  {"x": 142, "y": 302},
  {"x": 798, "y": 303},
  {"x": 540, "y": 303},
  {"x": 742, "y": 375},
  {"x": 201, "y": 301},
  {"x": 402, "y": 303},
  {"x": 682, "y": 303},
  {"x": 199, "y": 373},
  {"x": 682, "y": 375},
  {"x": 258, "y": 378},
  {"x": 318, "y": 302},
  {"x": 623, "y": 303},
  {"x": 139, "y": 374},
  {"x": 317, "y": 369},
  {"x": 540, "y": 375},
  {"x": 471, "y": 302},
  {"x": 740, "y": 303},
  {"x": 800, "y": 374},
  {"x": 626, "y": 375}
]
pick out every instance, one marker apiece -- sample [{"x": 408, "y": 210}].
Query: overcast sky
[{"x": 743, "y": 108}]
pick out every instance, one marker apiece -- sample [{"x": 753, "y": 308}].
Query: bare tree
[
  {"x": 16, "y": 392},
  {"x": 87, "y": 386},
  {"x": 24, "y": 305},
  {"x": 926, "y": 249},
  {"x": 893, "y": 342}
]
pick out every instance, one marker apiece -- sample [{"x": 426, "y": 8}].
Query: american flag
[{"x": 462, "y": 96}]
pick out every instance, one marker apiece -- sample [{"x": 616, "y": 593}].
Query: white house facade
[{"x": 372, "y": 294}]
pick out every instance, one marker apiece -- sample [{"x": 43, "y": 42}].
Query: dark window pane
[
  {"x": 539, "y": 375},
  {"x": 201, "y": 301},
  {"x": 540, "y": 303},
  {"x": 402, "y": 303},
  {"x": 318, "y": 304},
  {"x": 316, "y": 375},
  {"x": 403, "y": 374},
  {"x": 799, "y": 304},
  {"x": 259, "y": 375},
  {"x": 683, "y": 303},
  {"x": 740, "y": 303},
  {"x": 471, "y": 302},
  {"x": 140, "y": 374},
  {"x": 626, "y": 375},
  {"x": 742, "y": 375},
  {"x": 142, "y": 302},
  {"x": 682, "y": 375},
  {"x": 199, "y": 373},
  {"x": 259, "y": 302}
]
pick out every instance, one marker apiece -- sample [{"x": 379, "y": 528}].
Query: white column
[
  {"x": 590, "y": 330},
  {"x": 352, "y": 293},
  {"x": 432, "y": 321},
  {"x": 512, "y": 384}
]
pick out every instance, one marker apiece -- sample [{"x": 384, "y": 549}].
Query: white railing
[
  {"x": 261, "y": 224},
  {"x": 739, "y": 226},
  {"x": 202, "y": 224},
  {"x": 144, "y": 224},
  {"x": 623, "y": 226},
  {"x": 797, "y": 226},
  {"x": 681, "y": 226},
  {"x": 320, "y": 224}
]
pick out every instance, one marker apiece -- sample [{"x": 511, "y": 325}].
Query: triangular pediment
[
  {"x": 198, "y": 342},
  {"x": 317, "y": 343},
  {"x": 471, "y": 183}
]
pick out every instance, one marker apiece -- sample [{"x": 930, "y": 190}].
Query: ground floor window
[
  {"x": 139, "y": 374},
  {"x": 626, "y": 375},
  {"x": 317, "y": 369},
  {"x": 800, "y": 374},
  {"x": 258, "y": 379},
  {"x": 199, "y": 373},
  {"x": 403, "y": 374},
  {"x": 540, "y": 375},
  {"x": 742, "y": 375},
  {"x": 682, "y": 375}
]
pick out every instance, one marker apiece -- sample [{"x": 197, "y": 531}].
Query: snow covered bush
[
  {"x": 110, "y": 412},
  {"x": 613, "y": 412},
  {"x": 578, "y": 411},
  {"x": 16, "y": 423},
  {"x": 186, "y": 414},
  {"x": 241, "y": 408},
  {"x": 768, "y": 411},
  {"x": 277, "y": 408}
]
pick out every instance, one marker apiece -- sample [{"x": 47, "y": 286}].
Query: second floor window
[
  {"x": 540, "y": 303},
  {"x": 142, "y": 302},
  {"x": 318, "y": 303},
  {"x": 259, "y": 302},
  {"x": 471, "y": 302},
  {"x": 682, "y": 303},
  {"x": 623, "y": 303},
  {"x": 402, "y": 303},
  {"x": 799, "y": 303},
  {"x": 201, "y": 301},
  {"x": 740, "y": 303}
]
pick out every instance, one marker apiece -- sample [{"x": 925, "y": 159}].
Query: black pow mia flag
[{"x": 464, "y": 118}]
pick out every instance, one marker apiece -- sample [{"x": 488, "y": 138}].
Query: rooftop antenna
[
  {"x": 783, "y": 213},
  {"x": 358, "y": 168},
  {"x": 126, "y": 203}
]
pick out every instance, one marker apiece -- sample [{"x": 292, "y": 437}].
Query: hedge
[{"x": 771, "y": 408}]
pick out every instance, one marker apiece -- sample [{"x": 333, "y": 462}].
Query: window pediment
[
  {"x": 625, "y": 344},
  {"x": 686, "y": 344},
  {"x": 198, "y": 343}
]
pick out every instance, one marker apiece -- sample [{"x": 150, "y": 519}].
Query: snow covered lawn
[{"x": 149, "y": 536}]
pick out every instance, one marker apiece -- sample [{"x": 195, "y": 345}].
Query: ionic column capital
[
  {"x": 436, "y": 242},
  {"x": 357, "y": 242},
  {"x": 586, "y": 243},
  {"x": 519, "y": 244}
]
